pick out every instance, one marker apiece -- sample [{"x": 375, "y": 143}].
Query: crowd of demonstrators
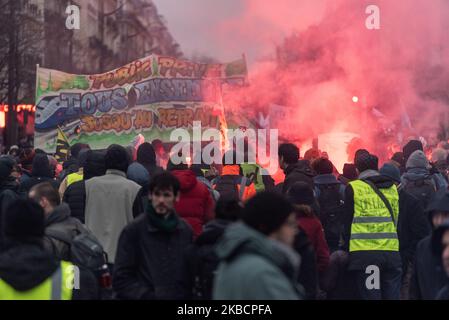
[{"x": 143, "y": 227}]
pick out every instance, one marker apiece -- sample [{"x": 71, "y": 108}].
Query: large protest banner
[{"x": 151, "y": 96}]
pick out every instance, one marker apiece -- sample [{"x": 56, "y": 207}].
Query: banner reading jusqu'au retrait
[{"x": 151, "y": 96}]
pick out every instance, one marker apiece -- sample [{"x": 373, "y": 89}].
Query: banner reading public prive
[{"x": 151, "y": 96}]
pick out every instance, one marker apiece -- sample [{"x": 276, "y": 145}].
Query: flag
[{"x": 62, "y": 146}]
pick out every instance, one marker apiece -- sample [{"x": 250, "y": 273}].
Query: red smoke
[{"x": 315, "y": 56}]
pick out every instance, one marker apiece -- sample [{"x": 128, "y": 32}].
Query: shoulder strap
[
  {"x": 383, "y": 198},
  {"x": 242, "y": 187},
  {"x": 58, "y": 235}
]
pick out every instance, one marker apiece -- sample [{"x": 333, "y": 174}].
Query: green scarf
[{"x": 162, "y": 223}]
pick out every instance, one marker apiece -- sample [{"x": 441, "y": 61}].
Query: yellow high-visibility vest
[
  {"x": 373, "y": 227},
  {"x": 57, "y": 287},
  {"x": 74, "y": 177}
]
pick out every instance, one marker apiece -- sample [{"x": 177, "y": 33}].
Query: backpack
[
  {"x": 332, "y": 209},
  {"x": 204, "y": 263},
  {"x": 423, "y": 189},
  {"x": 84, "y": 248},
  {"x": 227, "y": 187}
]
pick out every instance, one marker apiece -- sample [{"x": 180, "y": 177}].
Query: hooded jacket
[
  {"x": 60, "y": 221},
  {"x": 195, "y": 204},
  {"x": 299, "y": 171},
  {"x": 25, "y": 266},
  {"x": 418, "y": 168},
  {"x": 254, "y": 267},
  {"x": 428, "y": 276}
]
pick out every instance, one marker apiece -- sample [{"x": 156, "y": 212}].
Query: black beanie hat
[
  {"x": 365, "y": 161},
  {"x": 146, "y": 154},
  {"x": 411, "y": 147},
  {"x": 24, "y": 220},
  {"x": 266, "y": 212}
]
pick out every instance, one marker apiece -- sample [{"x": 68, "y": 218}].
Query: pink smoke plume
[{"x": 318, "y": 55}]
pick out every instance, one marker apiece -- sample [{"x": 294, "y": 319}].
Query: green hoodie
[{"x": 254, "y": 267}]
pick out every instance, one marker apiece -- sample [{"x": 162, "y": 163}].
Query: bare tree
[{"x": 21, "y": 37}]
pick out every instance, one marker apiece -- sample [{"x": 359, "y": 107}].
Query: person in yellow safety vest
[
  {"x": 370, "y": 234},
  {"x": 75, "y": 176},
  {"x": 258, "y": 175},
  {"x": 27, "y": 271}
]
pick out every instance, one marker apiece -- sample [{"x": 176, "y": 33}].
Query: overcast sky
[
  {"x": 225, "y": 29},
  {"x": 193, "y": 24}
]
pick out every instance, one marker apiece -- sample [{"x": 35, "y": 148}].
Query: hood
[
  {"x": 302, "y": 166},
  {"x": 59, "y": 214},
  {"x": 26, "y": 266},
  {"x": 437, "y": 237},
  {"x": 137, "y": 173},
  {"x": 186, "y": 178},
  {"x": 380, "y": 181},
  {"x": 212, "y": 231},
  {"x": 417, "y": 160},
  {"x": 239, "y": 239},
  {"x": 41, "y": 166},
  {"x": 325, "y": 179},
  {"x": 415, "y": 174}
]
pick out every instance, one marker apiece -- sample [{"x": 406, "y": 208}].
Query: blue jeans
[{"x": 390, "y": 285}]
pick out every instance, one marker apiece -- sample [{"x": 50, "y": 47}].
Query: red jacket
[
  {"x": 195, "y": 205},
  {"x": 314, "y": 231}
]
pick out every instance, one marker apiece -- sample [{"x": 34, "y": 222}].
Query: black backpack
[
  {"x": 204, "y": 263},
  {"x": 85, "y": 249},
  {"x": 423, "y": 189},
  {"x": 227, "y": 186},
  {"x": 331, "y": 200}
]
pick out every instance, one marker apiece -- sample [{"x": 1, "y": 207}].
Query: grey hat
[{"x": 418, "y": 160}]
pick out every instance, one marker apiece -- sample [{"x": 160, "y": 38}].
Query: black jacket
[
  {"x": 413, "y": 226},
  {"x": 202, "y": 259},
  {"x": 299, "y": 171},
  {"x": 60, "y": 221},
  {"x": 308, "y": 273},
  {"x": 359, "y": 260},
  {"x": 428, "y": 275},
  {"x": 26, "y": 186},
  {"x": 25, "y": 266},
  {"x": 151, "y": 264},
  {"x": 75, "y": 197},
  {"x": 9, "y": 192}
]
